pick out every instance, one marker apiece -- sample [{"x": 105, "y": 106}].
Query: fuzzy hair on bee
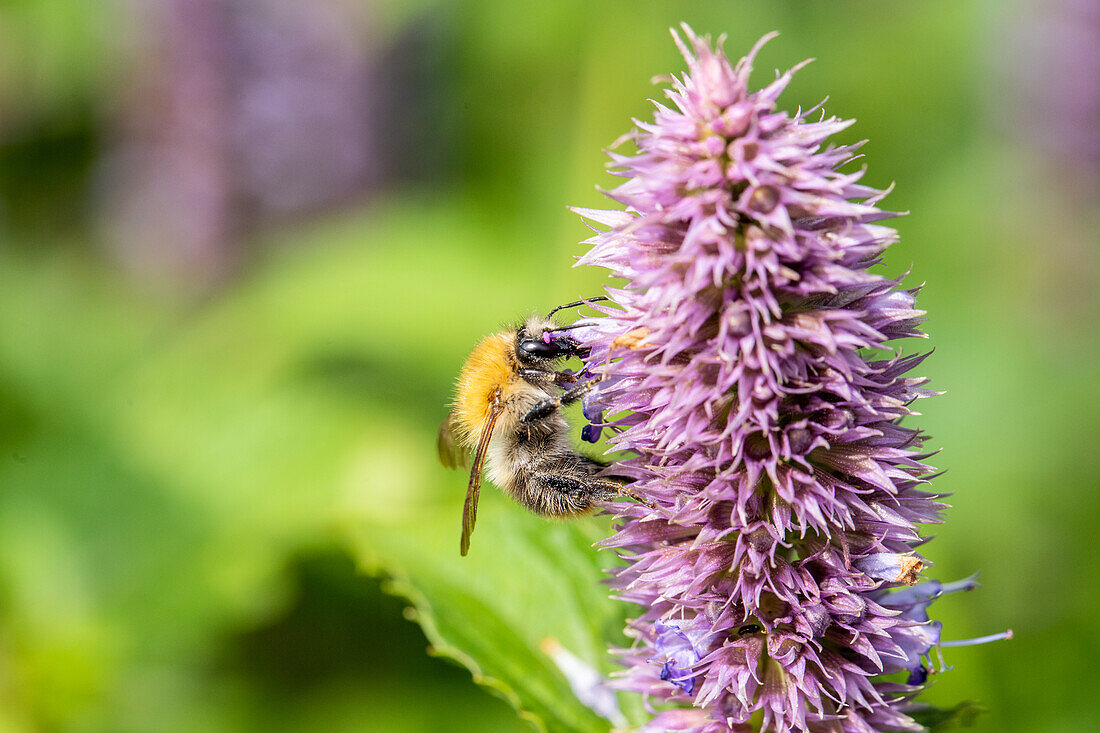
[{"x": 507, "y": 416}]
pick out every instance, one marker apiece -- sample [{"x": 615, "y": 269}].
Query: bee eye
[{"x": 539, "y": 349}]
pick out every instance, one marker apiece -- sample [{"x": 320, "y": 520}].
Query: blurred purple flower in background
[
  {"x": 238, "y": 112},
  {"x": 1043, "y": 98},
  {"x": 245, "y": 113},
  {"x": 747, "y": 365},
  {"x": 1050, "y": 95}
]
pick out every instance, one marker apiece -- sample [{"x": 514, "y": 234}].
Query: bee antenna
[
  {"x": 576, "y": 303},
  {"x": 568, "y": 328}
]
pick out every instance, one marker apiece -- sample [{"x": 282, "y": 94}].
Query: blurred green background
[{"x": 246, "y": 245}]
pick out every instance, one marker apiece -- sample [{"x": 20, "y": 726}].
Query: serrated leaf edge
[{"x": 397, "y": 583}]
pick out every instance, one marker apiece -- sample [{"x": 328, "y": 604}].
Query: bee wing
[
  {"x": 452, "y": 453},
  {"x": 473, "y": 490}
]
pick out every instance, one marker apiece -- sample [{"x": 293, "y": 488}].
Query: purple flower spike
[{"x": 746, "y": 363}]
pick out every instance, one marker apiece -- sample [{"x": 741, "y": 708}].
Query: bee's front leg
[
  {"x": 540, "y": 376},
  {"x": 544, "y": 408},
  {"x": 537, "y": 376},
  {"x": 565, "y": 377}
]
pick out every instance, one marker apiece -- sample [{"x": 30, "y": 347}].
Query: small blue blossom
[
  {"x": 678, "y": 649},
  {"x": 593, "y": 413}
]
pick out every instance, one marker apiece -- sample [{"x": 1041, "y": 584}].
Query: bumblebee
[{"x": 507, "y": 413}]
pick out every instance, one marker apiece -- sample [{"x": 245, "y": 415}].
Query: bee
[{"x": 507, "y": 412}]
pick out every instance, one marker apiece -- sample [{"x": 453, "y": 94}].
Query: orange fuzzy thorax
[{"x": 488, "y": 368}]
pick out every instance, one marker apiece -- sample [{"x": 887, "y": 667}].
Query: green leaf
[{"x": 525, "y": 580}]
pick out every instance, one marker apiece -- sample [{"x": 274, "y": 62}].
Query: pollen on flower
[
  {"x": 747, "y": 365},
  {"x": 632, "y": 339},
  {"x": 910, "y": 570}
]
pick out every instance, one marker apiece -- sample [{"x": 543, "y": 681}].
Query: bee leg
[
  {"x": 556, "y": 494},
  {"x": 564, "y": 378},
  {"x": 575, "y": 494},
  {"x": 633, "y": 495},
  {"x": 613, "y": 489},
  {"x": 547, "y": 406},
  {"x": 570, "y": 485},
  {"x": 574, "y": 394},
  {"x": 537, "y": 375}
]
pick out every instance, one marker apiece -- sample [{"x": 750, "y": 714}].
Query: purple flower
[
  {"x": 745, "y": 362},
  {"x": 594, "y": 415},
  {"x": 680, "y": 646}
]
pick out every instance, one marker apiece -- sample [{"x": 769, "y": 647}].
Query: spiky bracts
[{"x": 747, "y": 363}]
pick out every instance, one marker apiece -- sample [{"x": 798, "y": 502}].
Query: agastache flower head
[{"x": 746, "y": 364}]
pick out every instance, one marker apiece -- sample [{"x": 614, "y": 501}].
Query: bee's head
[{"x": 539, "y": 341}]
